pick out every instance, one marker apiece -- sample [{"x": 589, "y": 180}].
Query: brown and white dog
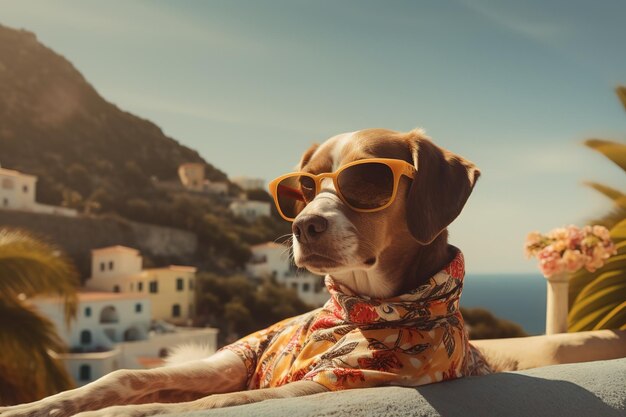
[{"x": 378, "y": 255}]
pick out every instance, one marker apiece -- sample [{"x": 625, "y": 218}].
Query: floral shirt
[{"x": 356, "y": 342}]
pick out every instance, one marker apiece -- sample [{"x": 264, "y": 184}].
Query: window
[
  {"x": 191, "y": 283},
  {"x": 85, "y": 337},
  {"x": 163, "y": 352},
  {"x": 25, "y": 188},
  {"x": 109, "y": 315},
  {"x": 110, "y": 265},
  {"x": 154, "y": 287},
  {"x": 116, "y": 288},
  {"x": 306, "y": 287},
  {"x": 7, "y": 184},
  {"x": 180, "y": 284},
  {"x": 176, "y": 310},
  {"x": 5, "y": 202},
  {"x": 102, "y": 266},
  {"x": 140, "y": 286},
  {"x": 87, "y": 311},
  {"x": 85, "y": 373},
  {"x": 294, "y": 285},
  {"x": 138, "y": 308},
  {"x": 131, "y": 334}
]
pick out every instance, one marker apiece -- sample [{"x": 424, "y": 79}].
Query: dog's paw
[{"x": 38, "y": 409}]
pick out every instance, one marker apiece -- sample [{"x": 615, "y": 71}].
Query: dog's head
[{"x": 372, "y": 251}]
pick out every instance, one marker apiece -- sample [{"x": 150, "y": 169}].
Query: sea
[{"x": 520, "y": 298}]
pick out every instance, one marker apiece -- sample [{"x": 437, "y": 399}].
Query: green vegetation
[
  {"x": 224, "y": 239},
  {"x": 238, "y": 306},
  {"x": 482, "y": 324},
  {"x": 598, "y": 299},
  {"x": 30, "y": 267}
]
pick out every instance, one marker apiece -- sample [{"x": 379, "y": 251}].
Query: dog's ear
[
  {"x": 442, "y": 184},
  {"x": 306, "y": 157}
]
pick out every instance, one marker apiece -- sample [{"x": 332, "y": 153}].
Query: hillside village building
[
  {"x": 171, "y": 289},
  {"x": 248, "y": 183},
  {"x": 17, "y": 192},
  {"x": 127, "y": 323},
  {"x": 192, "y": 178},
  {"x": 114, "y": 331},
  {"x": 272, "y": 260},
  {"x": 250, "y": 209}
]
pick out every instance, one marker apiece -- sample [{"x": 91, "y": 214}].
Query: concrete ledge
[{"x": 582, "y": 389}]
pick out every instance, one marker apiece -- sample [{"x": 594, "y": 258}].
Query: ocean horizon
[{"x": 520, "y": 298}]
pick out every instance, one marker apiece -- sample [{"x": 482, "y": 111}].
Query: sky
[{"x": 515, "y": 87}]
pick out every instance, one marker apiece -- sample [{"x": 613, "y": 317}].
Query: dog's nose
[{"x": 308, "y": 228}]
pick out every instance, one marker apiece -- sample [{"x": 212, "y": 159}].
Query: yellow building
[
  {"x": 171, "y": 289},
  {"x": 191, "y": 176}
]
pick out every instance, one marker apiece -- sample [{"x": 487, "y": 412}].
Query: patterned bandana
[{"x": 356, "y": 342}]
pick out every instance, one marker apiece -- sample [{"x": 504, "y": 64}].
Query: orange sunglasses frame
[{"x": 397, "y": 166}]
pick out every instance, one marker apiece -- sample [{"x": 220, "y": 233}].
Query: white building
[
  {"x": 250, "y": 209},
  {"x": 17, "y": 192},
  {"x": 103, "y": 319},
  {"x": 248, "y": 183},
  {"x": 114, "y": 331},
  {"x": 273, "y": 260},
  {"x": 170, "y": 289},
  {"x": 215, "y": 187}
]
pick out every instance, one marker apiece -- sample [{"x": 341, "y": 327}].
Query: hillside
[
  {"x": 99, "y": 159},
  {"x": 53, "y": 123}
]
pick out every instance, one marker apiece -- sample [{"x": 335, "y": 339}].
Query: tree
[
  {"x": 598, "y": 299},
  {"x": 31, "y": 267},
  {"x": 239, "y": 305},
  {"x": 482, "y": 324}
]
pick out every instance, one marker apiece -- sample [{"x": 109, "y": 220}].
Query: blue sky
[{"x": 513, "y": 86}]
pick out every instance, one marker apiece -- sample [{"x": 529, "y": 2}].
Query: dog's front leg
[
  {"x": 222, "y": 372},
  {"x": 294, "y": 389}
]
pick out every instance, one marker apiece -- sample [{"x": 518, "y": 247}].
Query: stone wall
[{"x": 78, "y": 235}]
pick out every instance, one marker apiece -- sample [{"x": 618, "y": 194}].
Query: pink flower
[
  {"x": 550, "y": 262},
  {"x": 573, "y": 260},
  {"x": 602, "y": 232},
  {"x": 533, "y": 243},
  {"x": 575, "y": 236},
  {"x": 560, "y": 233},
  {"x": 570, "y": 248}
]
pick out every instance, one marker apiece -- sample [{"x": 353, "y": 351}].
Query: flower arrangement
[{"x": 568, "y": 249}]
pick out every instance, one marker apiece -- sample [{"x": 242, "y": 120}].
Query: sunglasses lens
[
  {"x": 366, "y": 186},
  {"x": 294, "y": 193}
]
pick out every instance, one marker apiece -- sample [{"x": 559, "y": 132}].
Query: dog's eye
[{"x": 307, "y": 186}]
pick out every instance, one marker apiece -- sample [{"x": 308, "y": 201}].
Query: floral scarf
[{"x": 356, "y": 342}]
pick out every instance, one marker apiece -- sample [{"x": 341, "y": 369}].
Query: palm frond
[
  {"x": 611, "y": 193},
  {"x": 614, "y": 151},
  {"x": 621, "y": 94},
  {"x": 32, "y": 267},
  {"x": 26, "y": 366}
]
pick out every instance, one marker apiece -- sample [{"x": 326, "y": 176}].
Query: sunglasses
[{"x": 366, "y": 185}]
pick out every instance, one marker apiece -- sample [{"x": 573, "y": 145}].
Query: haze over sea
[{"x": 520, "y": 298}]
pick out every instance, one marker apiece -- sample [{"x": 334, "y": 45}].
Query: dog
[{"x": 370, "y": 211}]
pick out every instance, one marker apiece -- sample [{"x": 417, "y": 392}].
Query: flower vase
[{"x": 557, "y": 303}]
